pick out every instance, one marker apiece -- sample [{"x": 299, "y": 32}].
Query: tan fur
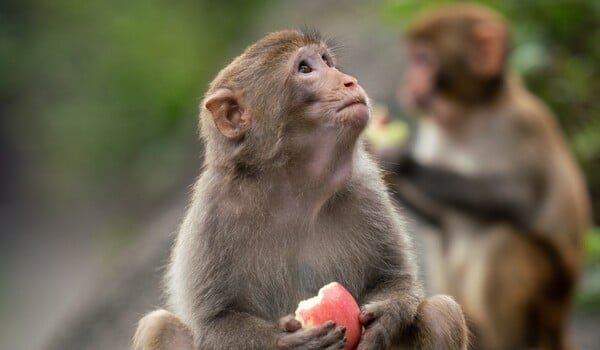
[
  {"x": 441, "y": 324},
  {"x": 162, "y": 330}
]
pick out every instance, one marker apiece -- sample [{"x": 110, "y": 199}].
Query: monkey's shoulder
[{"x": 527, "y": 116}]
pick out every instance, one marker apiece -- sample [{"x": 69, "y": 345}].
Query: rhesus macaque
[
  {"x": 287, "y": 202},
  {"x": 489, "y": 170}
]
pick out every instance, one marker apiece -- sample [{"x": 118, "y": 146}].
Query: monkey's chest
[
  {"x": 432, "y": 146},
  {"x": 316, "y": 269},
  {"x": 469, "y": 152},
  {"x": 299, "y": 273}
]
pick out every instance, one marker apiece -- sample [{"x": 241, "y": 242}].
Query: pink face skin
[
  {"x": 330, "y": 111},
  {"x": 337, "y": 96},
  {"x": 418, "y": 83}
]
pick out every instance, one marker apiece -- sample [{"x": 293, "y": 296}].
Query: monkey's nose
[{"x": 350, "y": 82}]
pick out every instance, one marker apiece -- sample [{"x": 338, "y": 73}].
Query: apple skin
[{"x": 333, "y": 303}]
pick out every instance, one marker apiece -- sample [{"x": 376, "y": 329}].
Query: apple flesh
[{"x": 333, "y": 303}]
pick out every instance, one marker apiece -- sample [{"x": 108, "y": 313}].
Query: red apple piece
[{"x": 335, "y": 303}]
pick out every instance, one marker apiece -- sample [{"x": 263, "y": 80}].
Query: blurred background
[{"x": 98, "y": 137}]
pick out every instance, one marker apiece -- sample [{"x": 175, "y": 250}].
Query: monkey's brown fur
[
  {"x": 489, "y": 167},
  {"x": 287, "y": 202}
]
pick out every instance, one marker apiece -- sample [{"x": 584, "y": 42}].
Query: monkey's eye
[{"x": 303, "y": 67}]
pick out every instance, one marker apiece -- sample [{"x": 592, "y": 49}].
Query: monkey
[
  {"x": 288, "y": 201},
  {"x": 488, "y": 172}
]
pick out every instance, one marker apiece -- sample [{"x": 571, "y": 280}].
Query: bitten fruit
[{"x": 333, "y": 303}]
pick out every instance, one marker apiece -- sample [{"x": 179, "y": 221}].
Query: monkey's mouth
[{"x": 352, "y": 101}]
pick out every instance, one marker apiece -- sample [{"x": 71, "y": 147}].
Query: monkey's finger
[
  {"x": 366, "y": 317},
  {"x": 337, "y": 346},
  {"x": 289, "y": 324},
  {"x": 372, "y": 339},
  {"x": 306, "y": 339},
  {"x": 321, "y": 330},
  {"x": 334, "y": 336},
  {"x": 316, "y": 335}
]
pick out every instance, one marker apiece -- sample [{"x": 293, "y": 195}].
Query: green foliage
[
  {"x": 556, "y": 47},
  {"x": 105, "y": 93},
  {"x": 588, "y": 298},
  {"x": 592, "y": 246}
]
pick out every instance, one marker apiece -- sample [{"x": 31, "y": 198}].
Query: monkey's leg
[
  {"x": 514, "y": 297},
  {"x": 439, "y": 325},
  {"x": 162, "y": 330}
]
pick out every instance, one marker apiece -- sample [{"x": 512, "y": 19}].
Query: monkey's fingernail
[
  {"x": 366, "y": 317},
  {"x": 343, "y": 330},
  {"x": 294, "y": 325}
]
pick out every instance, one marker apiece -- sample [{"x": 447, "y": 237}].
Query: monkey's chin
[{"x": 355, "y": 115}]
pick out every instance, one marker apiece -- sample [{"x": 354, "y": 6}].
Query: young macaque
[
  {"x": 287, "y": 202},
  {"x": 490, "y": 170}
]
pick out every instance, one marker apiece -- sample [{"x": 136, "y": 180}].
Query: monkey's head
[
  {"x": 261, "y": 109},
  {"x": 456, "y": 52}
]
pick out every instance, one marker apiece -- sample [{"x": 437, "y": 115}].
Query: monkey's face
[
  {"x": 322, "y": 94},
  {"x": 456, "y": 57},
  {"x": 281, "y": 98}
]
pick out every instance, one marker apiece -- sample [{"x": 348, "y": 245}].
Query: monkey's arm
[
  {"x": 404, "y": 192},
  {"x": 389, "y": 307},
  {"x": 399, "y": 297},
  {"x": 411, "y": 198},
  {"x": 389, "y": 312},
  {"x": 394, "y": 312},
  {"x": 233, "y": 329},
  {"x": 509, "y": 198}
]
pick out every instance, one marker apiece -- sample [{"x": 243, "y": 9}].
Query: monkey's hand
[
  {"x": 384, "y": 322},
  {"x": 406, "y": 164},
  {"x": 326, "y": 336}
]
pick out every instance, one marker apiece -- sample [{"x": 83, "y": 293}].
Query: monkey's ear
[
  {"x": 487, "y": 49},
  {"x": 230, "y": 117}
]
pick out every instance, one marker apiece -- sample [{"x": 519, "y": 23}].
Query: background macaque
[
  {"x": 287, "y": 202},
  {"x": 490, "y": 170}
]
